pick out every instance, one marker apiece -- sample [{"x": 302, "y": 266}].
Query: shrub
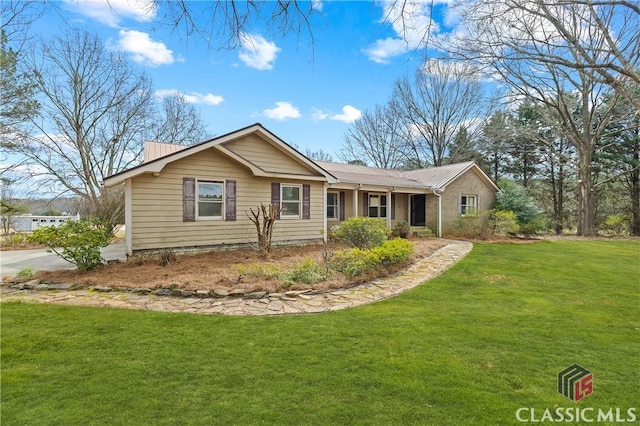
[
  {"x": 26, "y": 272},
  {"x": 76, "y": 241},
  {"x": 19, "y": 239},
  {"x": 306, "y": 272},
  {"x": 167, "y": 256},
  {"x": 362, "y": 232},
  {"x": 615, "y": 224},
  {"x": 513, "y": 197},
  {"x": 264, "y": 270},
  {"x": 536, "y": 225},
  {"x": 394, "y": 251},
  {"x": 503, "y": 222},
  {"x": 401, "y": 229},
  {"x": 355, "y": 261},
  {"x": 470, "y": 226}
]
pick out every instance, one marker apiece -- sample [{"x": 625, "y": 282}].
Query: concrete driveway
[{"x": 13, "y": 261}]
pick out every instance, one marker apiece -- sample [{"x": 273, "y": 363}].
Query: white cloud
[
  {"x": 385, "y": 49},
  {"x": 349, "y": 114},
  {"x": 411, "y": 23},
  {"x": 110, "y": 12},
  {"x": 144, "y": 50},
  {"x": 257, "y": 52},
  {"x": 318, "y": 114},
  {"x": 317, "y": 5},
  {"x": 282, "y": 111},
  {"x": 192, "y": 97}
]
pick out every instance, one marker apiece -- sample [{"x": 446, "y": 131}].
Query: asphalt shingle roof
[{"x": 434, "y": 177}]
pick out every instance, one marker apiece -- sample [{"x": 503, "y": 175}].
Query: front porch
[{"x": 418, "y": 207}]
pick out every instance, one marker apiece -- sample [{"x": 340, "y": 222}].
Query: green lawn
[{"x": 469, "y": 348}]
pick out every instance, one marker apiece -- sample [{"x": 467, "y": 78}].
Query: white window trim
[
  {"x": 337, "y": 205},
  {"x": 222, "y": 210},
  {"x": 282, "y": 201},
  {"x": 475, "y": 204},
  {"x": 379, "y": 206}
]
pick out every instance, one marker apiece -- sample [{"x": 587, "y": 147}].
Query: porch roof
[{"x": 363, "y": 175}]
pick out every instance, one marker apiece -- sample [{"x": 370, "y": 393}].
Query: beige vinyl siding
[
  {"x": 267, "y": 156},
  {"x": 157, "y": 206}
]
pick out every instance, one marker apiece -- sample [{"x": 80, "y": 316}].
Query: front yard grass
[{"x": 468, "y": 348}]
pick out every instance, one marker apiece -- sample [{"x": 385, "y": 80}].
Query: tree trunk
[
  {"x": 634, "y": 186},
  {"x": 586, "y": 197}
]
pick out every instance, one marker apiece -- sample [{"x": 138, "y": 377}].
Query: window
[
  {"x": 333, "y": 208},
  {"x": 377, "y": 205},
  {"x": 210, "y": 199},
  {"x": 468, "y": 204},
  {"x": 290, "y": 196}
]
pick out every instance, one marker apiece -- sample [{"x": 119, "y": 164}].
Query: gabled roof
[
  {"x": 435, "y": 178},
  {"x": 350, "y": 173},
  {"x": 439, "y": 177},
  {"x": 155, "y": 165}
]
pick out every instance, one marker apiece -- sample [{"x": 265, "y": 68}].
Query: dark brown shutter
[
  {"x": 188, "y": 199},
  {"x": 393, "y": 206},
  {"x": 365, "y": 203},
  {"x": 275, "y": 196},
  {"x": 230, "y": 200},
  {"x": 306, "y": 201},
  {"x": 341, "y": 205}
]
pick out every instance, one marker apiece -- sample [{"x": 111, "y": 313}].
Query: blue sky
[{"x": 307, "y": 93}]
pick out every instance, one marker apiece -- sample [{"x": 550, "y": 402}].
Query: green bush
[
  {"x": 19, "y": 239},
  {"x": 259, "y": 270},
  {"x": 401, "y": 229},
  {"x": 354, "y": 262},
  {"x": 470, "y": 226},
  {"x": 394, "y": 251},
  {"x": 513, "y": 197},
  {"x": 503, "y": 222},
  {"x": 77, "y": 241},
  {"x": 615, "y": 224},
  {"x": 362, "y": 232},
  {"x": 306, "y": 272},
  {"x": 26, "y": 272}
]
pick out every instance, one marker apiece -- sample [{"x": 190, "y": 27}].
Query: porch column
[
  {"x": 388, "y": 209},
  {"x": 325, "y": 230},
  {"x": 355, "y": 202},
  {"x": 128, "y": 218}
]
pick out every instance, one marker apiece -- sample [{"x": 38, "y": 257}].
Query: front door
[{"x": 418, "y": 215}]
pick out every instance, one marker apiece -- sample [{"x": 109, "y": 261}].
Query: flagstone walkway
[{"x": 291, "y": 302}]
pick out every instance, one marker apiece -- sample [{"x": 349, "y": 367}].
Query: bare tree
[
  {"x": 95, "y": 110},
  {"x": 444, "y": 99},
  {"x": 224, "y": 22},
  {"x": 180, "y": 122},
  {"x": 517, "y": 41},
  {"x": 376, "y": 138},
  {"x": 615, "y": 59},
  {"x": 17, "y": 16},
  {"x": 318, "y": 155}
]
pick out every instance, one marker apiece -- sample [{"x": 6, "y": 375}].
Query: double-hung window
[
  {"x": 333, "y": 208},
  {"x": 210, "y": 199},
  {"x": 377, "y": 205},
  {"x": 468, "y": 204},
  {"x": 291, "y": 200}
]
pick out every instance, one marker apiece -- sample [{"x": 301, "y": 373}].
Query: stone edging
[{"x": 236, "y": 302}]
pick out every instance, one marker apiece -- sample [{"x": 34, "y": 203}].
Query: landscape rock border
[{"x": 237, "y": 301}]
